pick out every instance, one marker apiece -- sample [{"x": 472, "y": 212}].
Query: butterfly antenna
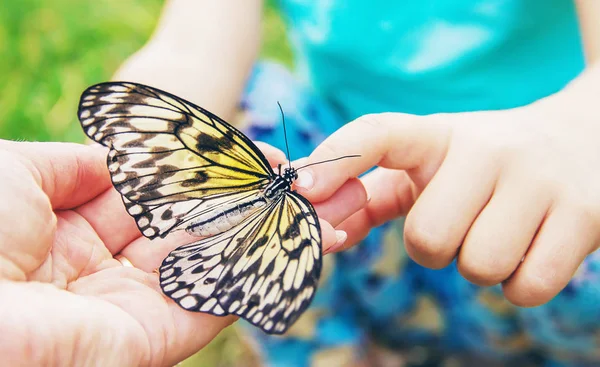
[
  {"x": 329, "y": 160},
  {"x": 287, "y": 148}
]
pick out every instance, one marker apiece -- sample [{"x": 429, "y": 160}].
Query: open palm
[{"x": 66, "y": 299}]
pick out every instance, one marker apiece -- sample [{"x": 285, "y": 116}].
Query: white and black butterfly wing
[
  {"x": 173, "y": 161},
  {"x": 265, "y": 270},
  {"x": 170, "y": 159}
]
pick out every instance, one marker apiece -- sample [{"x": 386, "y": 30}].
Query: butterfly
[{"x": 177, "y": 166}]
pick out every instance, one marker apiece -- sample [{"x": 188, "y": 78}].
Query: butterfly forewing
[
  {"x": 164, "y": 150},
  {"x": 265, "y": 270}
]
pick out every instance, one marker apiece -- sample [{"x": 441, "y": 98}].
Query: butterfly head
[
  {"x": 290, "y": 174},
  {"x": 281, "y": 183}
]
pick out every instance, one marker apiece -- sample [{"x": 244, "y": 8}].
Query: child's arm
[
  {"x": 201, "y": 51},
  {"x": 589, "y": 14},
  {"x": 513, "y": 195}
]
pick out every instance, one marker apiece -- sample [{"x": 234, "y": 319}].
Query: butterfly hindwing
[
  {"x": 265, "y": 270},
  {"x": 169, "y": 158}
]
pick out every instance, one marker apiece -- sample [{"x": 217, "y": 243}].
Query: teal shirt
[{"x": 428, "y": 56}]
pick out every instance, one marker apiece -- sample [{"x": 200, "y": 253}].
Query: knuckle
[
  {"x": 484, "y": 270},
  {"x": 45, "y": 219},
  {"x": 532, "y": 289},
  {"x": 376, "y": 123},
  {"x": 498, "y": 143},
  {"x": 588, "y": 211},
  {"x": 329, "y": 148},
  {"x": 426, "y": 248},
  {"x": 372, "y": 120}
]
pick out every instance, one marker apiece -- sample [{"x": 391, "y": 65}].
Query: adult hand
[
  {"x": 513, "y": 195},
  {"x": 66, "y": 299}
]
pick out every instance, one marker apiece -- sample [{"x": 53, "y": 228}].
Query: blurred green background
[{"x": 51, "y": 50}]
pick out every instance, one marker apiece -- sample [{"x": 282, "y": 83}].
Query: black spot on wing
[
  {"x": 208, "y": 281},
  {"x": 295, "y": 253},
  {"x": 141, "y": 141},
  {"x": 293, "y": 230},
  {"x": 253, "y": 301},
  {"x": 167, "y": 214},
  {"x": 208, "y": 143},
  {"x": 151, "y": 162},
  {"x": 196, "y": 257},
  {"x": 199, "y": 178},
  {"x": 198, "y": 269},
  {"x": 257, "y": 244}
]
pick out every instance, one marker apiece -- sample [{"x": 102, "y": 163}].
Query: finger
[
  {"x": 389, "y": 140},
  {"x": 564, "y": 240},
  {"x": 148, "y": 255},
  {"x": 344, "y": 202},
  {"x": 194, "y": 331},
  {"x": 274, "y": 155},
  {"x": 332, "y": 239},
  {"x": 28, "y": 221},
  {"x": 70, "y": 174},
  {"x": 440, "y": 218},
  {"x": 109, "y": 219},
  {"x": 502, "y": 233},
  {"x": 392, "y": 193},
  {"x": 349, "y": 199}
]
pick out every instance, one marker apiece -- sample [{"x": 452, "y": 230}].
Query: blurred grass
[{"x": 51, "y": 50}]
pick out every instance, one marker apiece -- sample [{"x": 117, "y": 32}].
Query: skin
[
  {"x": 202, "y": 51},
  {"x": 63, "y": 223},
  {"x": 459, "y": 178},
  {"x": 512, "y": 195}
]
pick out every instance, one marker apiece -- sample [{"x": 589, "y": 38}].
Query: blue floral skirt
[{"x": 374, "y": 297}]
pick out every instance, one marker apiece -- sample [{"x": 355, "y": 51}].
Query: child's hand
[{"x": 490, "y": 188}]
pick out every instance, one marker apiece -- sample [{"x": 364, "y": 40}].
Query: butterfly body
[
  {"x": 180, "y": 167},
  {"x": 225, "y": 217},
  {"x": 281, "y": 183},
  {"x": 230, "y": 215}
]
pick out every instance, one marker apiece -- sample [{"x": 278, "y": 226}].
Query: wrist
[{"x": 578, "y": 100}]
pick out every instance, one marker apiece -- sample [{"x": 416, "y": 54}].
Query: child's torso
[{"x": 435, "y": 55}]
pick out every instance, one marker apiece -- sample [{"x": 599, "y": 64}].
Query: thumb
[
  {"x": 69, "y": 174},
  {"x": 417, "y": 144}
]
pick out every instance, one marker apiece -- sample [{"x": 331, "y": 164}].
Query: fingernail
[
  {"x": 305, "y": 180},
  {"x": 366, "y": 191},
  {"x": 341, "y": 237}
]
